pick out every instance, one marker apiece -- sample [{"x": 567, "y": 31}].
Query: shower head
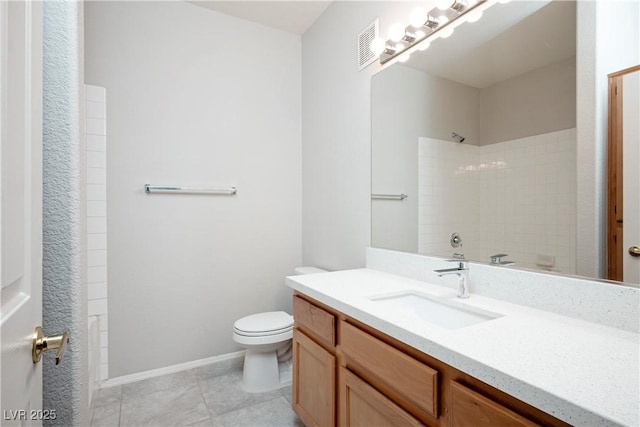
[{"x": 456, "y": 137}]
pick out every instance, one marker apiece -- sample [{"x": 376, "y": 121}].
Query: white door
[
  {"x": 20, "y": 209},
  {"x": 631, "y": 174}
]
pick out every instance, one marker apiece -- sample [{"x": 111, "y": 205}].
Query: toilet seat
[
  {"x": 264, "y": 324},
  {"x": 262, "y": 334}
]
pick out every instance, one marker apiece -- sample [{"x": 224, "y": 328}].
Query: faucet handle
[
  {"x": 497, "y": 258},
  {"x": 463, "y": 264}
]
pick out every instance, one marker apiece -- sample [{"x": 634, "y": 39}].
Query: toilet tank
[{"x": 308, "y": 270}]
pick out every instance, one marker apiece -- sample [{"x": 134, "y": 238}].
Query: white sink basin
[{"x": 414, "y": 306}]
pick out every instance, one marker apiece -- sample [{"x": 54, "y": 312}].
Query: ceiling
[
  {"x": 508, "y": 41},
  {"x": 290, "y": 16}
]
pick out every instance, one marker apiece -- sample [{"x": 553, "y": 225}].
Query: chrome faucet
[
  {"x": 497, "y": 260},
  {"x": 462, "y": 271}
]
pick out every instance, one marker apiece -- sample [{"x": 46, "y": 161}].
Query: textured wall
[{"x": 64, "y": 296}]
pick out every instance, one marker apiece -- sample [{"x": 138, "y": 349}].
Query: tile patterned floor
[{"x": 206, "y": 396}]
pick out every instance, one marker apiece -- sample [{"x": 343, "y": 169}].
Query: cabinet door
[
  {"x": 363, "y": 406},
  {"x": 314, "y": 382},
  {"x": 469, "y": 408}
]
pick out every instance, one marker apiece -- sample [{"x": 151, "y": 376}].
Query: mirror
[{"x": 479, "y": 133}]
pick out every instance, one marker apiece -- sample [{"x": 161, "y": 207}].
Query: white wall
[
  {"x": 199, "y": 98},
  {"x": 336, "y": 133},
  {"x": 539, "y": 101}
]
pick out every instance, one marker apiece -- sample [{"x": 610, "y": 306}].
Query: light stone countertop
[{"x": 583, "y": 373}]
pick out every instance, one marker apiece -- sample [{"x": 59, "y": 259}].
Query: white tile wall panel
[
  {"x": 515, "y": 197},
  {"x": 97, "y": 284},
  {"x": 96, "y": 225},
  {"x": 97, "y": 307}
]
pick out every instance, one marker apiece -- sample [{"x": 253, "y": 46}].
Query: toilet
[{"x": 267, "y": 339}]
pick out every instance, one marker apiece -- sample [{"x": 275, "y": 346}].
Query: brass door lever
[{"x": 42, "y": 343}]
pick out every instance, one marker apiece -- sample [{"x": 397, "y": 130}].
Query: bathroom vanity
[{"x": 365, "y": 355}]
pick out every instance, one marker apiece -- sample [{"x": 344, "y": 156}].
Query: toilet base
[{"x": 261, "y": 372}]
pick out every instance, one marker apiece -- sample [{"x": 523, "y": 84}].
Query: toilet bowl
[
  {"x": 267, "y": 340},
  {"x": 264, "y": 335}
]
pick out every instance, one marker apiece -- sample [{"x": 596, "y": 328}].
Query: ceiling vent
[{"x": 365, "y": 56}]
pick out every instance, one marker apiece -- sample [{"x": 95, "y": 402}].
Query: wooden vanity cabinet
[
  {"x": 314, "y": 364},
  {"x": 348, "y": 374}
]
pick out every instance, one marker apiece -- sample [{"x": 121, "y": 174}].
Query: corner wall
[
  {"x": 65, "y": 387},
  {"x": 196, "y": 98}
]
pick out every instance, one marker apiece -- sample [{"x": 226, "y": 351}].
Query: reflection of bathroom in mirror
[
  {"x": 508, "y": 89},
  {"x": 480, "y": 133}
]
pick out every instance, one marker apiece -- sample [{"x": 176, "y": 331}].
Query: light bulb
[
  {"x": 471, "y": 3},
  {"x": 442, "y": 21},
  {"x": 377, "y": 46},
  {"x": 444, "y": 4},
  {"x": 404, "y": 57},
  {"x": 424, "y": 45},
  {"x": 396, "y": 32},
  {"x": 418, "y": 17},
  {"x": 399, "y": 47},
  {"x": 474, "y": 16},
  {"x": 419, "y": 35}
]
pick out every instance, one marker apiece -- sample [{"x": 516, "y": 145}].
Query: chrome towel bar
[
  {"x": 389, "y": 196},
  {"x": 228, "y": 191}
]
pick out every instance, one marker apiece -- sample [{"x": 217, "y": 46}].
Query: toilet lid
[{"x": 272, "y": 321}]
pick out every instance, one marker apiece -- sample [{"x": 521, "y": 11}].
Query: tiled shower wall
[
  {"x": 97, "y": 232},
  {"x": 515, "y": 197}
]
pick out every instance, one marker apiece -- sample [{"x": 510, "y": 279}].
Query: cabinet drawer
[
  {"x": 363, "y": 406},
  {"x": 381, "y": 363},
  {"x": 315, "y": 321},
  {"x": 469, "y": 408}
]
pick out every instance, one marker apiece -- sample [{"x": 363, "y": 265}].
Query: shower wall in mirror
[{"x": 479, "y": 132}]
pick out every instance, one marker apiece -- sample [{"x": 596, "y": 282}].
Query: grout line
[
  {"x": 202, "y": 395},
  {"x": 120, "y": 408}
]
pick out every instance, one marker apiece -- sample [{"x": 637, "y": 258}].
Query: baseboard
[{"x": 126, "y": 379}]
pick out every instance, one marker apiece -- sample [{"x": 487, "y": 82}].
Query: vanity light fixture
[{"x": 427, "y": 25}]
